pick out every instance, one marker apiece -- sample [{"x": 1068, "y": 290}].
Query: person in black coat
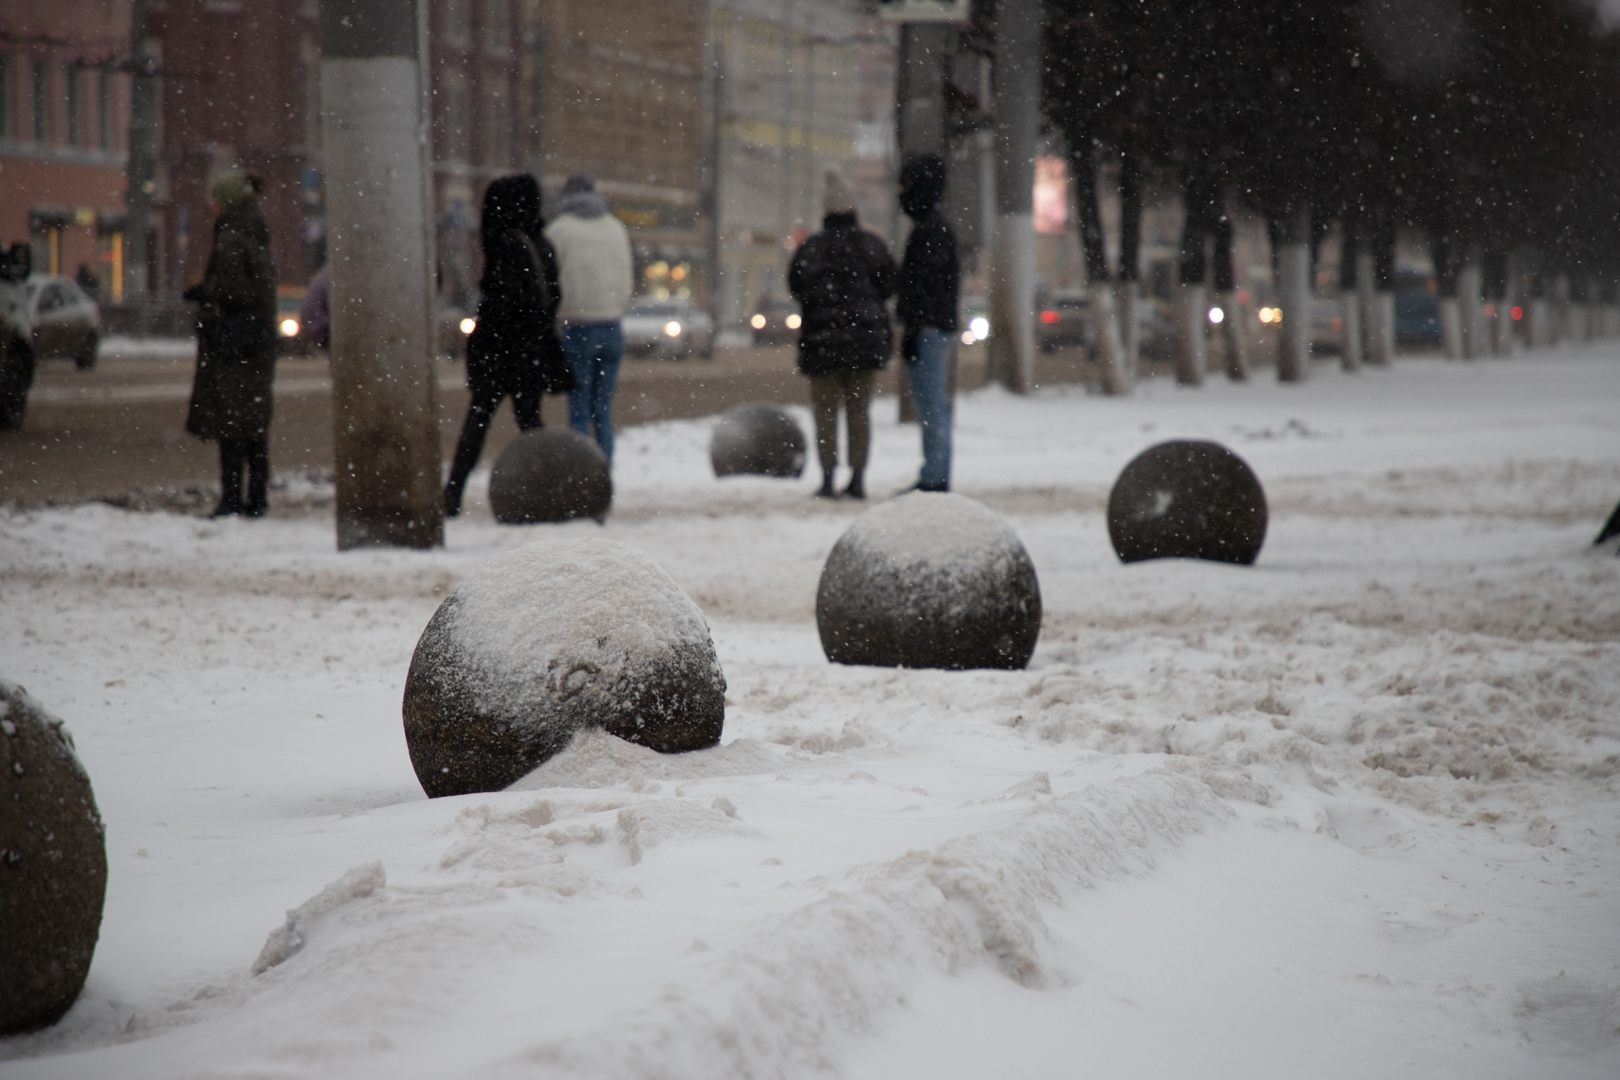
[
  {"x": 930, "y": 280},
  {"x": 841, "y": 277},
  {"x": 514, "y": 349}
]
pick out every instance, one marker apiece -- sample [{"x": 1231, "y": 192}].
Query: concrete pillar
[
  {"x": 380, "y": 244},
  {"x": 1017, "y": 82}
]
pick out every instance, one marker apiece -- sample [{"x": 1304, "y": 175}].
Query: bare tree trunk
[
  {"x": 1350, "y": 349},
  {"x": 1494, "y": 290},
  {"x": 1472, "y": 306},
  {"x": 1017, "y": 92},
  {"x": 1294, "y": 293},
  {"x": 1191, "y": 355},
  {"x": 1381, "y": 297},
  {"x": 1234, "y": 315},
  {"x": 1200, "y": 196},
  {"x": 1104, "y": 313},
  {"x": 1130, "y": 257},
  {"x": 1445, "y": 272}
]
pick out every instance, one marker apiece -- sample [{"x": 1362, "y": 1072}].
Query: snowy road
[{"x": 1351, "y": 812}]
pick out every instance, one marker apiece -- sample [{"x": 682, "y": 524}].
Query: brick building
[{"x": 64, "y": 120}]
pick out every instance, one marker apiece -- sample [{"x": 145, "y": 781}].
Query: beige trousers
[{"x": 852, "y": 389}]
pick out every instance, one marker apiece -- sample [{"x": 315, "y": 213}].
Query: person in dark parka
[
  {"x": 232, "y": 395},
  {"x": 930, "y": 280},
  {"x": 514, "y": 350},
  {"x": 841, "y": 276}
]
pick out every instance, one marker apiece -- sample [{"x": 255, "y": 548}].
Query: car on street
[
  {"x": 670, "y": 329},
  {"x": 1062, "y": 319},
  {"x": 64, "y": 322},
  {"x": 1417, "y": 309},
  {"x": 776, "y": 321}
]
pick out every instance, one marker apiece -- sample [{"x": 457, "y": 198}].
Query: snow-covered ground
[{"x": 1351, "y": 812}]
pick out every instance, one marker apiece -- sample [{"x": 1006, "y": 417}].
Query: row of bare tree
[{"x": 1489, "y": 125}]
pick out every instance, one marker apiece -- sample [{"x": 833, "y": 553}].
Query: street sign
[{"x": 925, "y": 10}]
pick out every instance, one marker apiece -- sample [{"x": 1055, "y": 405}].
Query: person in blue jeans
[
  {"x": 930, "y": 281},
  {"x": 593, "y": 262},
  {"x": 594, "y": 351}
]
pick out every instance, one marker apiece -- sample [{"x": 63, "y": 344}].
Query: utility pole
[
  {"x": 379, "y": 227},
  {"x": 141, "y": 168},
  {"x": 1017, "y": 83},
  {"x": 717, "y": 88}
]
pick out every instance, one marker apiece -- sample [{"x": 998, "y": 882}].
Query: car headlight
[
  {"x": 468, "y": 325},
  {"x": 1217, "y": 316},
  {"x": 289, "y": 327},
  {"x": 757, "y": 322},
  {"x": 794, "y": 322},
  {"x": 672, "y": 329},
  {"x": 980, "y": 327}
]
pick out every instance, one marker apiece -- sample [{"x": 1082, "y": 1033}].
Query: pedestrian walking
[
  {"x": 232, "y": 396},
  {"x": 841, "y": 277},
  {"x": 513, "y": 350},
  {"x": 930, "y": 280},
  {"x": 593, "y": 257}
]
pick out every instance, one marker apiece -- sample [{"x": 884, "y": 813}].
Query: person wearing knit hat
[
  {"x": 232, "y": 393},
  {"x": 930, "y": 278},
  {"x": 841, "y": 277}
]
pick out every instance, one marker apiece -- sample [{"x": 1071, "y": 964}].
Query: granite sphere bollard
[
  {"x": 929, "y": 580},
  {"x": 53, "y": 866},
  {"x": 757, "y": 439},
  {"x": 1187, "y": 499},
  {"x": 547, "y": 476},
  {"x": 538, "y": 643}
]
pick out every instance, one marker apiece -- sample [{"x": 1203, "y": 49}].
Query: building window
[
  {"x": 458, "y": 23},
  {"x": 104, "y": 106},
  {"x": 497, "y": 26},
  {"x": 499, "y": 152},
  {"x": 41, "y": 103},
  {"x": 75, "y": 130}
]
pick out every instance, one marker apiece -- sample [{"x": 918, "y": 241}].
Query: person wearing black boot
[
  {"x": 514, "y": 349},
  {"x": 930, "y": 279},
  {"x": 841, "y": 276},
  {"x": 232, "y": 395}
]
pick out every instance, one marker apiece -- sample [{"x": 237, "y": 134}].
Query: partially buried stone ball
[
  {"x": 1187, "y": 499},
  {"x": 546, "y": 475},
  {"x": 757, "y": 439},
  {"x": 53, "y": 866},
  {"x": 556, "y": 636},
  {"x": 929, "y": 580}
]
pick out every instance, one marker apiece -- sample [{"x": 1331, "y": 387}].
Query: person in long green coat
[{"x": 231, "y": 396}]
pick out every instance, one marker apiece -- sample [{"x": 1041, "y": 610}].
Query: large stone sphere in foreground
[
  {"x": 550, "y": 475},
  {"x": 53, "y": 866},
  {"x": 1187, "y": 499},
  {"x": 559, "y": 635},
  {"x": 757, "y": 439},
  {"x": 929, "y": 580}
]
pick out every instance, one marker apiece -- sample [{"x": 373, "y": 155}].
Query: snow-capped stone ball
[
  {"x": 550, "y": 475},
  {"x": 1187, "y": 499},
  {"x": 53, "y": 866},
  {"x": 929, "y": 580},
  {"x": 559, "y": 635},
  {"x": 757, "y": 439}
]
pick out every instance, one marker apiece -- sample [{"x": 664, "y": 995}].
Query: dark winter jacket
[
  {"x": 231, "y": 396},
  {"x": 515, "y": 341},
  {"x": 930, "y": 275},
  {"x": 842, "y": 276}
]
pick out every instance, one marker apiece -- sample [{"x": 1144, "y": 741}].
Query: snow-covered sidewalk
[{"x": 1351, "y": 812}]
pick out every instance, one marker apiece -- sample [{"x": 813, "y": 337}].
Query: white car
[
  {"x": 65, "y": 321},
  {"x": 673, "y": 329}
]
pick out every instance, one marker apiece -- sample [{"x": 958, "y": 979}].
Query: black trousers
[
  {"x": 480, "y": 411},
  {"x": 254, "y": 454}
]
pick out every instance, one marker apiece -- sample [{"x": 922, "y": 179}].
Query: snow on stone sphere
[
  {"x": 558, "y": 635},
  {"x": 929, "y": 580},
  {"x": 53, "y": 866}
]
